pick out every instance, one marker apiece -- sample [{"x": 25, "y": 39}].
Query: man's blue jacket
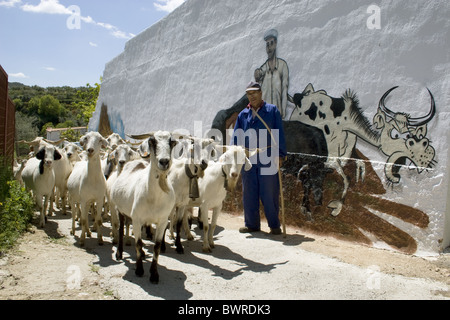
[{"x": 251, "y": 133}]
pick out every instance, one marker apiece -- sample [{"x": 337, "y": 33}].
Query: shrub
[{"x": 16, "y": 211}]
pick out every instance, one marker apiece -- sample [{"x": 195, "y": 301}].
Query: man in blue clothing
[{"x": 260, "y": 126}]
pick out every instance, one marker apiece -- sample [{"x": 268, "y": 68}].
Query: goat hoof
[
  {"x": 118, "y": 256},
  {"x": 207, "y": 250},
  {"x": 154, "y": 278},
  {"x": 180, "y": 250},
  {"x": 139, "y": 272}
]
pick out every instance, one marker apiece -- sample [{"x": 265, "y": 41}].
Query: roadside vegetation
[{"x": 37, "y": 109}]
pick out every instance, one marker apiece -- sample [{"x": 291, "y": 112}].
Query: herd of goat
[{"x": 151, "y": 184}]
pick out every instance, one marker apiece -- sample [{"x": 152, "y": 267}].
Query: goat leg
[
  {"x": 139, "y": 257},
  {"x": 154, "y": 276},
  {"x": 119, "y": 252},
  {"x": 179, "y": 246}
]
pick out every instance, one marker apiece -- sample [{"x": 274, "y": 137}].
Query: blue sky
[{"x": 68, "y": 42}]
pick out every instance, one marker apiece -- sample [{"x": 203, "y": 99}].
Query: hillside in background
[{"x": 38, "y": 108}]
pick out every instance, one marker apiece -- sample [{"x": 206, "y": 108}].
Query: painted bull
[{"x": 403, "y": 137}]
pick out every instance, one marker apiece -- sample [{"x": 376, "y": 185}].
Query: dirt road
[{"x": 49, "y": 264}]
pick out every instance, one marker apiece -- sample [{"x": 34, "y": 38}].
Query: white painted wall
[{"x": 198, "y": 60}]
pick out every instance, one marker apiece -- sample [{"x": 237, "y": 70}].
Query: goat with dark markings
[{"x": 39, "y": 176}]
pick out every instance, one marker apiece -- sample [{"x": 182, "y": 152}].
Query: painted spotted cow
[{"x": 342, "y": 122}]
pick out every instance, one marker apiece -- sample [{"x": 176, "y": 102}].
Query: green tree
[
  {"x": 88, "y": 101},
  {"x": 49, "y": 109},
  {"x": 71, "y": 135},
  {"x": 43, "y": 132}
]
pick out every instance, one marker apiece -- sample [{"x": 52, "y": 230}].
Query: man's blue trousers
[{"x": 265, "y": 187}]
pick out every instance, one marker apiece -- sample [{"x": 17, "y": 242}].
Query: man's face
[
  {"x": 255, "y": 98},
  {"x": 271, "y": 47}
]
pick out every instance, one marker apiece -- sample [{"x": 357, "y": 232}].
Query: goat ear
[
  {"x": 143, "y": 150},
  {"x": 57, "y": 155},
  {"x": 83, "y": 141},
  {"x": 173, "y": 143},
  {"x": 41, "y": 154},
  {"x": 105, "y": 143},
  {"x": 112, "y": 157},
  {"x": 152, "y": 143}
]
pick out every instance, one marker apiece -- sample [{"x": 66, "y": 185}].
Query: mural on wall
[
  {"x": 342, "y": 122},
  {"x": 273, "y": 75},
  {"x": 321, "y": 136}
]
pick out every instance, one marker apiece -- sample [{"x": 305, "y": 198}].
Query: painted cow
[{"x": 342, "y": 122}]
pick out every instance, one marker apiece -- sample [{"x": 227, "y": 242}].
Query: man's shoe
[
  {"x": 248, "y": 230},
  {"x": 275, "y": 231}
]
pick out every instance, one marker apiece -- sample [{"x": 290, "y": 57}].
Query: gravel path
[{"x": 49, "y": 264}]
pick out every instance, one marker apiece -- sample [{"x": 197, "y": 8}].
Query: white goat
[
  {"x": 63, "y": 169},
  {"x": 219, "y": 177},
  {"x": 39, "y": 176},
  {"x": 142, "y": 193},
  {"x": 114, "y": 140},
  {"x": 87, "y": 185},
  {"x": 118, "y": 158},
  {"x": 60, "y": 168},
  {"x": 183, "y": 176},
  {"x": 73, "y": 152},
  {"x": 18, "y": 169}
]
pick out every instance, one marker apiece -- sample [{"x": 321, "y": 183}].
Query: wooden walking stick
[{"x": 283, "y": 219}]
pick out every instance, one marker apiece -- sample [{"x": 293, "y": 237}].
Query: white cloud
[
  {"x": 167, "y": 5},
  {"x": 92, "y": 44},
  {"x": 9, "y": 3},
  {"x": 54, "y": 7},
  {"x": 50, "y": 68},
  {"x": 19, "y": 75},
  {"x": 87, "y": 19},
  {"x": 47, "y": 6}
]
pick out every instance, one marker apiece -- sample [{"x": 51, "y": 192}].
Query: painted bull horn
[
  {"x": 415, "y": 122},
  {"x": 382, "y": 105}
]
